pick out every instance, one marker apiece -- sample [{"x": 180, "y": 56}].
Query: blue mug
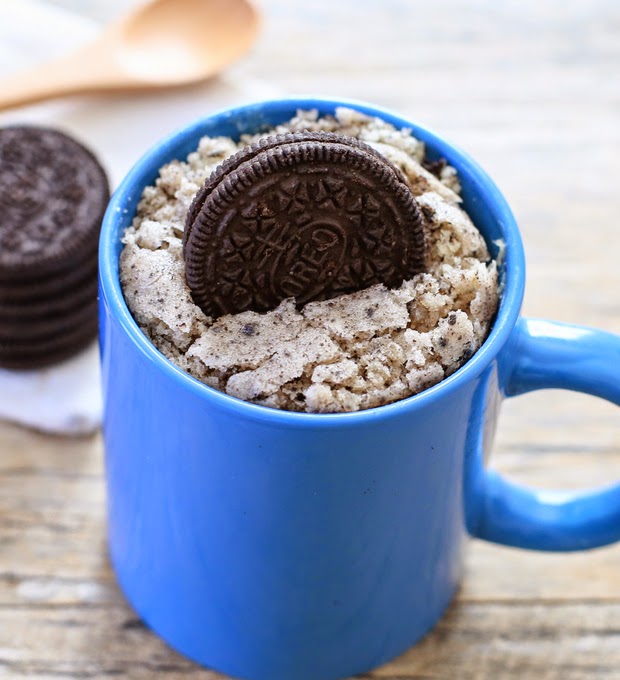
[{"x": 273, "y": 545}]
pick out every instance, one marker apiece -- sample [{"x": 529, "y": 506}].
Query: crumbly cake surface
[{"x": 353, "y": 352}]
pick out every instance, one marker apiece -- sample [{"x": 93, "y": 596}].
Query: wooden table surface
[{"x": 532, "y": 90}]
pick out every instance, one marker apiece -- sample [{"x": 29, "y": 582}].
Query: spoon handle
[{"x": 87, "y": 70}]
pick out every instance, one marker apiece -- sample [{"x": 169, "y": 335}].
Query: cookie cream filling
[{"x": 353, "y": 352}]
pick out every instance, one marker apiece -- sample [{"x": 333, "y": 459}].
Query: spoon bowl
[
  {"x": 162, "y": 43},
  {"x": 187, "y": 40}
]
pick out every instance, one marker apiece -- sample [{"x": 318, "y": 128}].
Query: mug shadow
[
  {"x": 127, "y": 647},
  {"x": 115, "y": 641},
  {"x": 439, "y": 655}
]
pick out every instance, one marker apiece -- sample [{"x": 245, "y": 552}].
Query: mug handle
[{"x": 555, "y": 355}]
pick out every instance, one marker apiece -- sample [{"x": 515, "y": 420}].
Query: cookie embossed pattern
[{"x": 356, "y": 337}]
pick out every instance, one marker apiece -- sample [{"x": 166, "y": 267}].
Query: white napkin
[{"x": 66, "y": 399}]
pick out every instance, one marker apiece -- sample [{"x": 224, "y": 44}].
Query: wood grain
[{"x": 532, "y": 91}]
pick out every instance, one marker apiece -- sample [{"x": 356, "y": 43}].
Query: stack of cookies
[{"x": 53, "y": 194}]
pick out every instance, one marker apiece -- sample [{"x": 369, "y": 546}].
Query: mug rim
[{"x": 135, "y": 180}]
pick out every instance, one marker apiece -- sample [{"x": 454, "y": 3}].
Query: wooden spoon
[{"x": 160, "y": 44}]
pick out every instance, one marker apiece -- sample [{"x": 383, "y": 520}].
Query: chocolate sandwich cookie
[
  {"x": 44, "y": 290},
  {"x": 306, "y": 215},
  {"x": 47, "y": 327},
  {"x": 50, "y": 306},
  {"x": 39, "y": 353},
  {"x": 53, "y": 194}
]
